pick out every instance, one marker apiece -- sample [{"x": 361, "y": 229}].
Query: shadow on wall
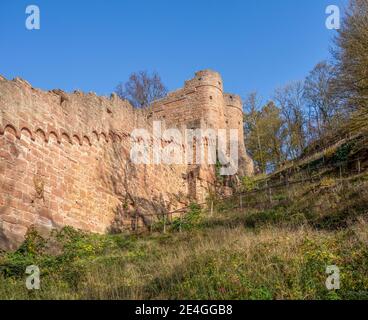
[
  {"x": 6, "y": 242},
  {"x": 134, "y": 209},
  {"x": 35, "y": 206},
  {"x": 143, "y": 213},
  {"x": 122, "y": 178}
]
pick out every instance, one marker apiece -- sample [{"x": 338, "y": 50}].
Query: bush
[
  {"x": 33, "y": 244},
  {"x": 248, "y": 184},
  {"x": 328, "y": 182},
  {"x": 190, "y": 219},
  {"x": 342, "y": 154}
]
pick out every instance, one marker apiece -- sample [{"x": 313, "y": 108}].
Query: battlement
[
  {"x": 205, "y": 78},
  {"x": 233, "y": 100}
]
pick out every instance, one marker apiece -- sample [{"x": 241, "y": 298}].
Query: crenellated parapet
[
  {"x": 233, "y": 101},
  {"x": 75, "y": 118}
]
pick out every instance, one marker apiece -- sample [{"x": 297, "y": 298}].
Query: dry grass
[{"x": 255, "y": 253}]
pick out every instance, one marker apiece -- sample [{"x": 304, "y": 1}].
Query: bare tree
[
  {"x": 264, "y": 133},
  {"x": 252, "y": 105},
  {"x": 142, "y": 89},
  {"x": 351, "y": 55},
  {"x": 290, "y": 100},
  {"x": 324, "y": 106}
]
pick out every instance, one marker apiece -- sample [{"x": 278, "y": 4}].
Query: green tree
[{"x": 253, "y": 131}]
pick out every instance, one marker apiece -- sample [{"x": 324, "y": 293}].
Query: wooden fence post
[
  {"x": 212, "y": 208},
  {"x": 181, "y": 220},
  {"x": 287, "y": 185},
  {"x": 241, "y": 202},
  {"x": 164, "y": 223},
  {"x": 269, "y": 191},
  {"x": 270, "y": 194}
]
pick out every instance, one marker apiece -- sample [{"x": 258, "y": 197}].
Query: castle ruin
[{"x": 65, "y": 158}]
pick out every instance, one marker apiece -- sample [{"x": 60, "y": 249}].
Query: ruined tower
[{"x": 202, "y": 103}]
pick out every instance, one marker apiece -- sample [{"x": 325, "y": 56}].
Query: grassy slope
[{"x": 267, "y": 250}]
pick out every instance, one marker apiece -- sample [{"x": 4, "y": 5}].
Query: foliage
[
  {"x": 190, "y": 219},
  {"x": 328, "y": 182},
  {"x": 218, "y": 166},
  {"x": 264, "y": 133},
  {"x": 312, "y": 114},
  {"x": 279, "y": 252},
  {"x": 33, "y": 245},
  {"x": 342, "y": 153},
  {"x": 248, "y": 183}
]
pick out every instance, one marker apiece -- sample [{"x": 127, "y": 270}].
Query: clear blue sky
[{"x": 92, "y": 45}]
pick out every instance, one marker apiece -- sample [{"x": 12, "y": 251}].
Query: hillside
[{"x": 267, "y": 246}]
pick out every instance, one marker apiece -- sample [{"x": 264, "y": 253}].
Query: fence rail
[{"x": 168, "y": 217}]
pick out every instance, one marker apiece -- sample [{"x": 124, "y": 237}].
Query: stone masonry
[{"x": 65, "y": 158}]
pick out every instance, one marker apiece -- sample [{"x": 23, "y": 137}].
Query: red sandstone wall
[
  {"x": 199, "y": 104},
  {"x": 64, "y": 160},
  {"x": 202, "y": 103}
]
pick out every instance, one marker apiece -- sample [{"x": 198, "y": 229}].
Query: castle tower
[
  {"x": 234, "y": 117},
  {"x": 209, "y": 102},
  {"x": 202, "y": 103},
  {"x": 234, "y": 120},
  {"x": 199, "y": 104}
]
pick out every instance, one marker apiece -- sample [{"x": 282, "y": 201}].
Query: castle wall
[{"x": 65, "y": 158}]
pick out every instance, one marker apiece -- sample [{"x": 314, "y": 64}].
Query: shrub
[
  {"x": 190, "y": 220},
  {"x": 342, "y": 153},
  {"x": 327, "y": 182},
  {"x": 248, "y": 184},
  {"x": 33, "y": 244}
]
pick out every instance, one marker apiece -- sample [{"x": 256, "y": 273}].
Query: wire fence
[
  {"x": 320, "y": 153},
  {"x": 165, "y": 219}
]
